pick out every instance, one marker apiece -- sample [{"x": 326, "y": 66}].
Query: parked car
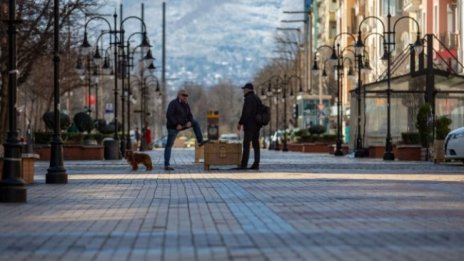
[
  {"x": 229, "y": 138},
  {"x": 161, "y": 142},
  {"x": 454, "y": 145}
]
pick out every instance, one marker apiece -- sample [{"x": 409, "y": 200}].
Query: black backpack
[{"x": 263, "y": 115}]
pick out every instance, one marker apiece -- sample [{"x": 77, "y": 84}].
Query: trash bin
[{"x": 111, "y": 149}]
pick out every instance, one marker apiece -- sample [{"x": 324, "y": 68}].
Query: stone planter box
[
  {"x": 310, "y": 147},
  {"x": 438, "y": 151},
  {"x": 26, "y": 168},
  {"x": 317, "y": 148},
  {"x": 296, "y": 147},
  {"x": 378, "y": 151},
  {"x": 74, "y": 152},
  {"x": 408, "y": 152}
]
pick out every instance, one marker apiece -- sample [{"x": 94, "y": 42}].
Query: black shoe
[
  {"x": 168, "y": 168},
  {"x": 202, "y": 143},
  {"x": 254, "y": 167}
]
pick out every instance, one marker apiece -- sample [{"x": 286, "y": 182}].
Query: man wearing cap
[
  {"x": 250, "y": 127},
  {"x": 179, "y": 117}
]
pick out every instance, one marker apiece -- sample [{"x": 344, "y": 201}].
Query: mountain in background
[{"x": 209, "y": 41}]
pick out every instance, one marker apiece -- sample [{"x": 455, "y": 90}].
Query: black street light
[
  {"x": 359, "y": 150},
  {"x": 144, "y": 83},
  {"x": 389, "y": 46},
  {"x": 337, "y": 57},
  {"x": 148, "y": 58},
  {"x": 129, "y": 56},
  {"x": 85, "y": 50},
  {"x": 12, "y": 187},
  {"x": 274, "y": 92},
  {"x": 284, "y": 81},
  {"x": 56, "y": 173}
]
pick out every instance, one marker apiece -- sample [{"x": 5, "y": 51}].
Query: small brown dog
[{"x": 137, "y": 158}]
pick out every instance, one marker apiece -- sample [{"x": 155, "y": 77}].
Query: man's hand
[
  {"x": 179, "y": 127},
  {"x": 239, "y": 127},
  {"x": 188, "y": 125}
]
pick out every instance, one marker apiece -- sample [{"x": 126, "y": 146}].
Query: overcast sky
[{"x": 213, "y": 40}]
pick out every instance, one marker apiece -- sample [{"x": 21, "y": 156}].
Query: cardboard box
[{"x": 222, "y": 154}]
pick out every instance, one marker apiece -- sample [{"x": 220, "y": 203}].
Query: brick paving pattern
[{"x": 297, "y": 207}]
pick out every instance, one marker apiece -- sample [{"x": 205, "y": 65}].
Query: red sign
[{"x": 90, "y": 100}]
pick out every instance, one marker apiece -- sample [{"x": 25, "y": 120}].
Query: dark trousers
[{"x": 251, "y": 136}]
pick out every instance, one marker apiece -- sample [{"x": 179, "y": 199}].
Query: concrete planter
[
  {"x": 377, "y": 151},
  {"x": 26, "y": 168},
  {"x": 409, "y": 152},
  {"x": 438, "y": 151},
  {"x": 74, "y": 152}
]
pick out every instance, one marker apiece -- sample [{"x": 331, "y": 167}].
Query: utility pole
[{"x": 163, "y": 72}]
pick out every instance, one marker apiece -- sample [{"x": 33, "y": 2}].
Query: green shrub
[
  {"x": 49, "y": 120},
  {"x": 424, "y": 125},
  {"x": 442, "y": 127},
  {"x": 42, "y": 137},
  {"x": 83, "y": 121},
  {"x": 410, "y": 138},
  {"x": 329, "y": 137},
  {"x": 316, "y": 129}
]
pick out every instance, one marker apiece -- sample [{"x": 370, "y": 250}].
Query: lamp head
[
  {"x": 148, "y": 59},
  {"x": 419, "y": 44},
  {"x": 97, "y": 59},
  {"x": 85, "y": 46},
  {"x": 145, "y": 45}
]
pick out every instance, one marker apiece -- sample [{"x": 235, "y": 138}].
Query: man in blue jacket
[{"x": 179, "y": 117}]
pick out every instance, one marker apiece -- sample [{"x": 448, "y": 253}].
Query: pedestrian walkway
[{"x": 297, "y": 207}]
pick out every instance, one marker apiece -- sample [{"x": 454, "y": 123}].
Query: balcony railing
[{"x": 450, "y": 40}]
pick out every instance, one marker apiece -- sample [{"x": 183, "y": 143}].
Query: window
[{"x": 388, "y": 6}]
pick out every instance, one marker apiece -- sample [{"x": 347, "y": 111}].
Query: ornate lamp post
[
  {"x": 147, "y": 61},
  {"x": 337, "y": 57},
  {"x": 56, "y": 173},
  {"x": 389, "y": 46},
  {"x": 148, "y": 58},
  {"x": 274, "y": 92},
  {"x": 12, "y": 186},
  {"x": 85, "y": 49},
  {"x": 361, "y": 55}
]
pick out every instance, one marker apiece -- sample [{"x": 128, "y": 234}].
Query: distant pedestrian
[
  {"x": 147, "y": 137},
  {"x": 250, "y": 127},
  {"x": 178, "y": 118},
  {"x": 137, "y": 137}
]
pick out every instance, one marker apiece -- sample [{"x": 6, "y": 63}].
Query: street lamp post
[
  {"x": 389, "y": 46},
  {"x": 125, "y": 92},
  {"x": 147, "y": 60},
  {"x": 56, "y": 173},
  {"x": 274, "y": 92},
  {"x": 12, "y": 187},
  {"x": 337, "y": 57},
  {"x": 85, "y": 49},
  {"x": 359, "y": 151},
  {"x": 285, "y": 80}
]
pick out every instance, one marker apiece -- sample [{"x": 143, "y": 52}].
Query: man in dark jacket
[
  {"x": 179, "y": 117},
  {"x": 250, "y": 127}
]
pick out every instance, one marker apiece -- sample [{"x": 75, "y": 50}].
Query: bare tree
[{"x": 34, "y": 41}]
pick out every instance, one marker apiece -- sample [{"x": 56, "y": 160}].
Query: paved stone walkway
[{"x": 297, "y": 207}]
